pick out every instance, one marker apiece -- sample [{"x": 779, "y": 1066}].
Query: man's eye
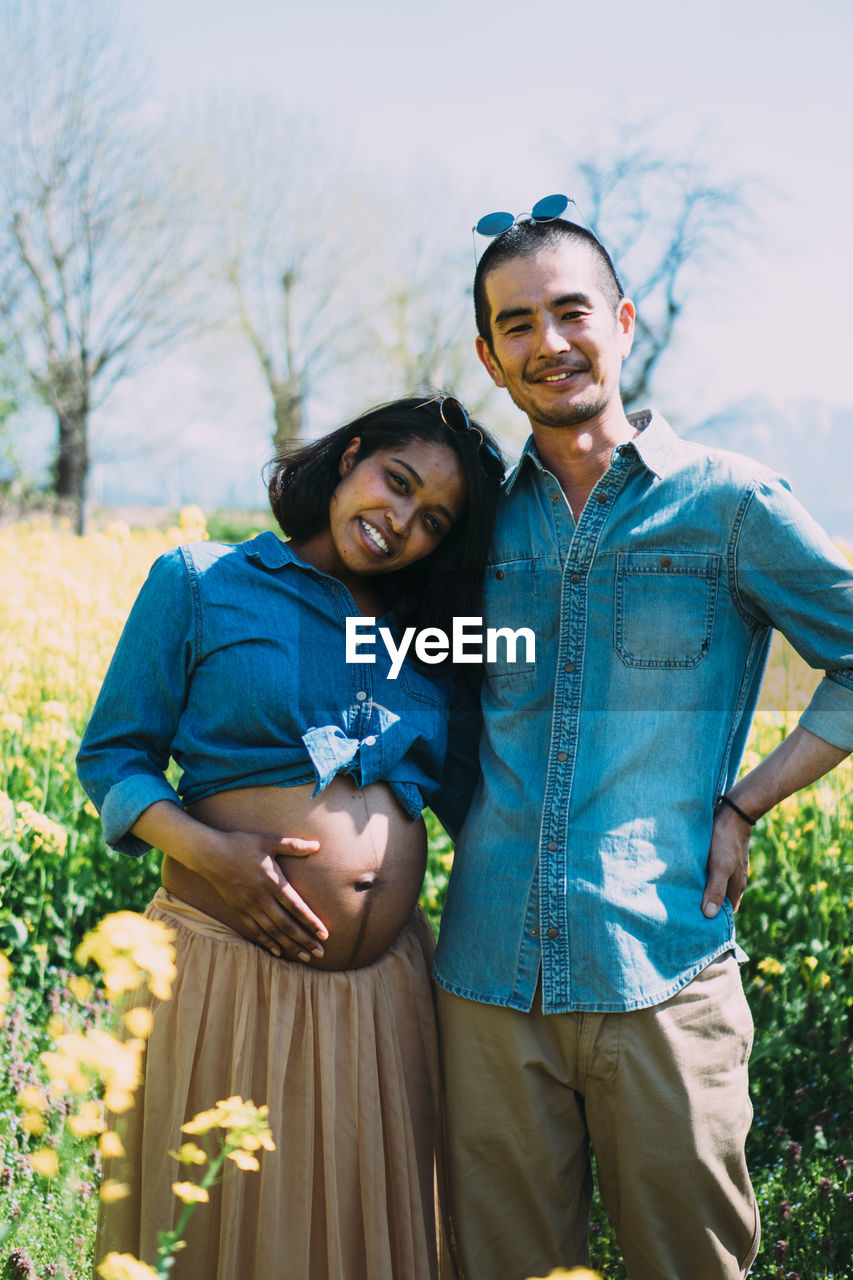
[{"x": 517, "y": 328}]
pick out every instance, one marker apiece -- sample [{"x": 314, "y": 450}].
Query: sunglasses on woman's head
[{"x": 456, "y": 419}]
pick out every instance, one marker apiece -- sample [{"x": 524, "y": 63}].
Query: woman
[{"x": 303, "y": 778}]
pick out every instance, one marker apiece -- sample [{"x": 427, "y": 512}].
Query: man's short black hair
[{"x": 526, "y": 238}]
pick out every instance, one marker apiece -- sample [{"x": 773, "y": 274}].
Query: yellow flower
[
  {"x": 771, "y": 965},
  {"x": 190, "y": 1193},
  {"x": 113, "y": 1190},
  {"x": 45, "y": 1162},
  {"x": 33, "y": 1098},
  {"x": 202, "y": 1123},
  {"x": 810, "y": 962},
  {"x": 243, "y": 1160},
  {"x": 123, "y": 1266},
  {"x": 78, "y": 1059},
  {"x": 111, "y": 1145},
  {"x": 80, "y": 988},
  {"x": 189, "y": 1153},
  {"x": 41, "y": 832},
  {"x": 139, "y": 1022},
  {"x": 7, "y": 817},
  {"x": 245, "y": 1124},
  {"x": 126, "y": 944},
  {"x": 577, "y": 1273},
  {"x": 5, "y": 974},
  {"x": 88, "y": 1120}
]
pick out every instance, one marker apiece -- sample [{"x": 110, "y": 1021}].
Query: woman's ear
[{"x": 348, "y": 457}]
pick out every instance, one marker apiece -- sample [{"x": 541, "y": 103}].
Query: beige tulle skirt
[{"x": 348, "y": 1065}]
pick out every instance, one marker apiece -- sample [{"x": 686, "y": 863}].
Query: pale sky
[{"x": 495, "y": 98}]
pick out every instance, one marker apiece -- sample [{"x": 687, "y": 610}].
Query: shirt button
[
  {"x": 575, "y": 577},
  {"x": 555, "y": 497},
  {"x": 602, "y": 497},
  {"x": 361, "y": 695},
  {"x": 370, "y": 741},
  {"x": 569, "y": 667},
  {"x": 665, "y": 562},
  {"x": 499, "y": 573},
  {"x": 552, "y": 846},
  {"x": 552, "y": 932},
  {"x": 534, "y": 933},
  {"x": 562, "y": 755}
]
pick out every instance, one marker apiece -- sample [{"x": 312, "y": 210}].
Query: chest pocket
[
  {"x": 509, "y": 604},
  {"x": 664, "y": 607}
]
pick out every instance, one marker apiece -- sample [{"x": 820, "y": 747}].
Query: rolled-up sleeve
[
  {"x": 127, "y": 744},
  {"x": 788, "y": 574}
]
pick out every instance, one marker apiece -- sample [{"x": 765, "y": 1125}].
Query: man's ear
[
  {"x": 625, "y": 317},
  {"x": 489, "y": 362}
]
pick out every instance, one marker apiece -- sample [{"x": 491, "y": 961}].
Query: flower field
[{"x": 62, "y": 603}]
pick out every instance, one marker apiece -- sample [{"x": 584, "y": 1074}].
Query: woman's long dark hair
[{"x": 447, "y": 582}]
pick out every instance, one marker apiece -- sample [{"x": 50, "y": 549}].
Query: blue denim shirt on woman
[
  {"x": 233, "y": 663},
  {"x": 583, "y": 856}
]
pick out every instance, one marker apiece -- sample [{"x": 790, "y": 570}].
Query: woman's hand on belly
[
  {"x": 258, "y": 893},
  {"x": 238, "y": 868}
]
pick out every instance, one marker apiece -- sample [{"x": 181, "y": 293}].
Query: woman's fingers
[{"x": 282, "y": 936}]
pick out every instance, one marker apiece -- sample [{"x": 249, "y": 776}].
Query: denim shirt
[
  {"x": 233, "y": 662},
  {"x": 583, "y": 856}
]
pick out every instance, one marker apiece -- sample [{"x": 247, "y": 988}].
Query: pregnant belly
[{"x": 364, "y": 880}]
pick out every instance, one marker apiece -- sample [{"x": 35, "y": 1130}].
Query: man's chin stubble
[{"x": 570, "y": 416}]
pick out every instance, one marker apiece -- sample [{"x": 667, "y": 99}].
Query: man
[{"x": 589, "y": 986}]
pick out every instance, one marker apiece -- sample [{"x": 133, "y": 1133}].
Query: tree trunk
[
  {"x": 289, "y": 410},
  {"x": 71, "y": 466}
]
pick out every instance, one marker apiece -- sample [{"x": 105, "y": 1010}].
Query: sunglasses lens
[
  {"x": 454, "y": 415},
  {"x": 549, "y": 207},
  {"x": 492, "y": 466},
  {"x": 494, "y": 224}
]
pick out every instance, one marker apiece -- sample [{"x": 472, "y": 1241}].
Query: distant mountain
[{"x": 810, "y": 443}]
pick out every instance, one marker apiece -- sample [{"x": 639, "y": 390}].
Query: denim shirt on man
[
  {"x": 233, "y": 662},
  {"x": 584, "y": 852}
]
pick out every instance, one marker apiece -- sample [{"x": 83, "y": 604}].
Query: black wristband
[{"x": 740, "y": 813}]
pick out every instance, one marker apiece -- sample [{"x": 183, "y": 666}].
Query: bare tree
[
  {"x": 290, "y": 238},
  {"x": 663, "y": 220},
  {"x": 92, "y": 260}
]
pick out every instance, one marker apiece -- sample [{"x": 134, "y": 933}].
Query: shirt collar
[
  {"x": 653, "y": 446},
  {"x": 270, "y": 551}
]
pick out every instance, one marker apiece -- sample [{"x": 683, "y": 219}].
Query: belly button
[{"x": 366, "y": 882}]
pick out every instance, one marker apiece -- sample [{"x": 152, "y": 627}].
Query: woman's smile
[{"x": 374, "y": 537}]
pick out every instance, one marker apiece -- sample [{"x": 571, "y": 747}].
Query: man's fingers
[{"x": 714, "y": 896}]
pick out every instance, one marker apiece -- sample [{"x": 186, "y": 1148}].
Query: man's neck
[{"x": 579, "y": 456}]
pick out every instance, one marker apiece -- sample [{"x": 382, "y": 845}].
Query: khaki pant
[{"x": 660, "y": 1093}]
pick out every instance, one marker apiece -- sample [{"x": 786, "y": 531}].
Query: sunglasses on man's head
[
  {"x": 456, "y": 419},
  {"x": 545, "y": 210}
]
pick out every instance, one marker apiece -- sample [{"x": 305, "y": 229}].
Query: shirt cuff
[
  {"x": 829, "y": 715},
  {"x": 124, "y": 804}
]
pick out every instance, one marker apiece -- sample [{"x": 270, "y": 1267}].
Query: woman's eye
[
  {"x": 400, "y": 481},
  {"x": 433, "y": 524}
]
